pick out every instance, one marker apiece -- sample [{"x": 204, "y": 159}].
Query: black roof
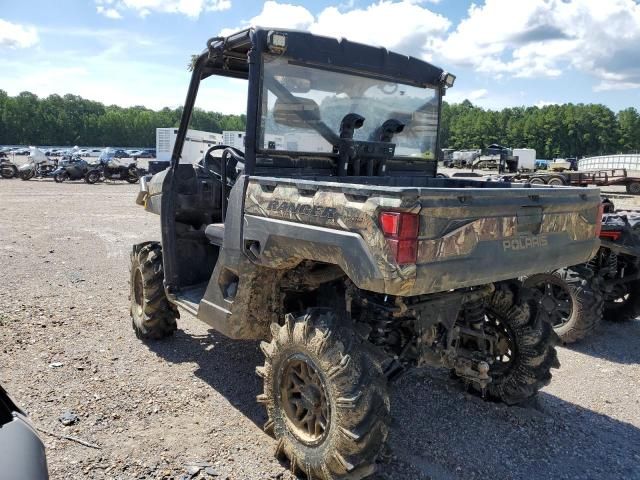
[{"x": 228, "y": 56}]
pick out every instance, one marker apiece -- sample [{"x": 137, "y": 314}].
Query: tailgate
[
  {"x": 467, "y": 236},
  {"x": 481, "y": 236}
]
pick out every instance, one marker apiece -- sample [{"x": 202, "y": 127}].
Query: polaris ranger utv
[{"x": 331, "y": 239}]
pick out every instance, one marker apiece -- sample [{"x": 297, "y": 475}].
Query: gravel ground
[{"x": 169, "y": 409}]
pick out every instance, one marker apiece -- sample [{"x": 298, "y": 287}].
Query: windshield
[{"x": 325, "y": 97}]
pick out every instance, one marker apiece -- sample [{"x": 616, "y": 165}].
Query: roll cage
[{"x": 240, "y": 56}]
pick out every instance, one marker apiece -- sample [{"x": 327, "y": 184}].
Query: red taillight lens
[
  {"x": 599, "y": 219},
  {"x": 399, "y": 225},
  {"x": 390, "y": 223},
  {"x": 404, "y": 251},
  {"x": 401, "y": 231},
  {"x": 611, "y": 235}
]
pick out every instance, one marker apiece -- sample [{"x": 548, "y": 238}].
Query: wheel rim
[
  {"x": 304, "y": 400},
  {"x": 138, "y": 291},
  {"x": 556, "y": 301},
  {"x": 505, "y": 348}
]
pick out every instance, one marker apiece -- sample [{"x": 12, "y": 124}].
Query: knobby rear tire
[
  {"x": 534, "y": 345},
  {"x": 350, "y": 373}
]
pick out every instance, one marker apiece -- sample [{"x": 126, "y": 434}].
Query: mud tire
[
  {"x": 629, "y": 310},
  {"x": 355, "y": 389},
  {"x": 586, "y": 302},
  {"x": 152, "y": 315},
  {"x": 534, "y": 344}
]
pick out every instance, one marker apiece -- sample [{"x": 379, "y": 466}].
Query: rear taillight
[
  {"x": 611, "y": 235},
  {"x": 401, "y": 231},
  {"x": 599, "y": 219}
]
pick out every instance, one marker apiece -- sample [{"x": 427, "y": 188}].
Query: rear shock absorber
[{"x": 473, "y": 313}]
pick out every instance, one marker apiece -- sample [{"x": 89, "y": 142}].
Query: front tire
[
  {"x": 326, "y": 396},
  {"x": 152, "y": 315},
  {"x": 573, "y": 305},
  {"x": 522, "y": 366}
]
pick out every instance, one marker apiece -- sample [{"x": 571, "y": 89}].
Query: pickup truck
[{"x": 330, "y": 238}]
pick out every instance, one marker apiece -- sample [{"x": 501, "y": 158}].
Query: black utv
[{"x": 330, "y": 238}]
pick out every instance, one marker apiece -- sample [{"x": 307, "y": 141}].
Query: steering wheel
[{"x": 232, "y": 156}]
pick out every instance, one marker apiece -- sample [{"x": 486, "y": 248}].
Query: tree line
[
  {"x": 72, "y": 120},
  {"x": 554, "y": 131}
]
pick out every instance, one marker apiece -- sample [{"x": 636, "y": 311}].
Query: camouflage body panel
[{"x": 467, "y": 237}]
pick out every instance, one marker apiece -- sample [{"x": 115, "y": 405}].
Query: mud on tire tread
[
  {"x": 535, "y": 343},
  {"x": 356, "y": 390},
  {"x": 156, "y": 317},
  {"x": 586, "y": 299},
  {"x": 629, "y": 310}
]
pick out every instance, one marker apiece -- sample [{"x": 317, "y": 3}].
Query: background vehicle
[
  {"x": 526, "y": 159},
  {"x": 607, "y": 286},
  {"x": 7, "y": 168},
  {"x": 119, "y": 153},
  {"x": 326, "y": 245},
  {"x": 38, "y": 165},
  {"x": 70, "y": 168},
  {"x": 111, "y": 168},
  {"x": 22, "y": 454},
  {"x": 143, "y": 154},
  {"x": 496, "y": 157}
]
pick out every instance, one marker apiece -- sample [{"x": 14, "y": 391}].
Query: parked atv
[
  {"x": 607, "y": 286},
  {"x": 71, "y": 167},
  {"x": 7, "y": 168},
  {"x": 38, "y": 165},
  {"x": 343, "y": 252},
  {"x": 112, "y": 169}
]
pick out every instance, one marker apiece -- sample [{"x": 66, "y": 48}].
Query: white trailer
[
  {"x": 233, "y": 138},
  {"x": 526, "y": 159},
  {"x": 195, "y": 144}
]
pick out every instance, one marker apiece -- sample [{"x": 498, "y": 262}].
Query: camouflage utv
[{"x": 329, "y": 238}]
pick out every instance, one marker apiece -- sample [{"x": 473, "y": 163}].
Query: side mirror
[{"x": 296, "y": 113}]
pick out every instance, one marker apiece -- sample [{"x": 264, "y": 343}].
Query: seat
[{"x": 215, "y": 233}]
